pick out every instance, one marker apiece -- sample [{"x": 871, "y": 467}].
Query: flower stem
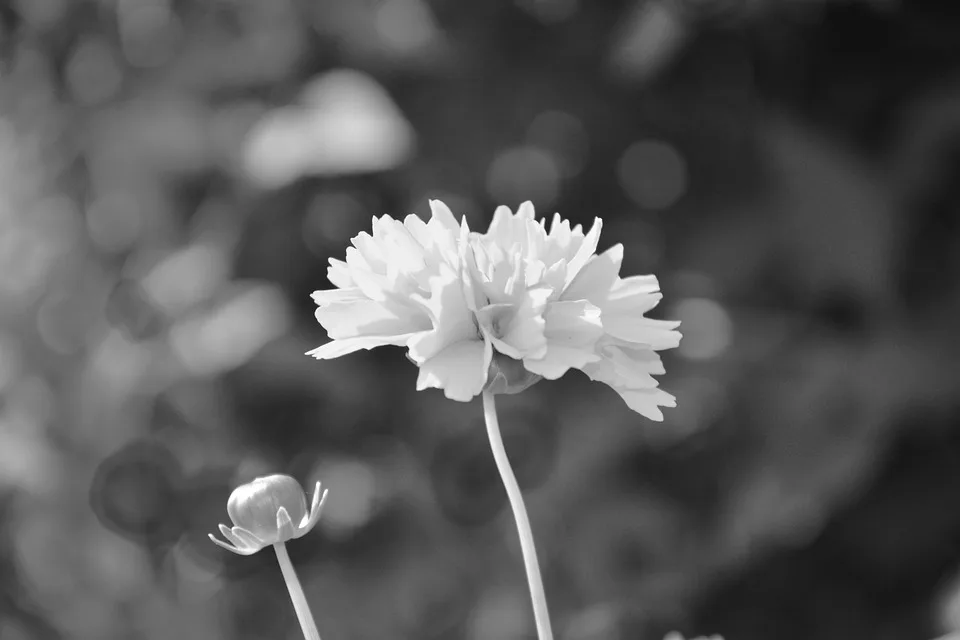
[
  {"x": 296, "y": 593},
  {"x": 534, "y": 580}
]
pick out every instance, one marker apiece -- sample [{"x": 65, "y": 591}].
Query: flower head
[
  {"x": 269, "y": 510},
  {"x": 532, "y": 301}
]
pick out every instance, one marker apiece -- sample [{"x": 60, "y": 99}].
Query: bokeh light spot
[
  {"x": 404, "y": 25},
  {"x": 186, "y": 277},
  {"x": 332, "y": 219},
  {"x": 353, "y": 492},
  {"x": 40, "y": 14},
  {"x": 92, "y": 72},
  {"x": 11, "y": 354},
  {"x": 233, "y": 332},
  {"x": 599, "y": 622},
  {"x": 706, "y": 326},
  {"x": 499, "y": 614},
  {"x": 149, "y": 31},
  {"x": 345, "y": 123},
  {"x": 653, "y": 174},
  {"x": 524, "y": 173},
  {"x": 550, "y": 11},
  {"x": 565, "y": 137},
  {"x": 114, "y": 221}
]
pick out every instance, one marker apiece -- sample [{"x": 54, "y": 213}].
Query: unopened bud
[{"x": 269, "y": 510}]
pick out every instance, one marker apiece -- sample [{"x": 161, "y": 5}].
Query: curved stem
[
  {"x": 296, "y": 593},
  {"x": 534, "y": 580}
]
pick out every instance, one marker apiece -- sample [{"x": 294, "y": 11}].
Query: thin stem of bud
[
  {"x": 296, "y": 593},
  {"x": 534, "y": 580}
]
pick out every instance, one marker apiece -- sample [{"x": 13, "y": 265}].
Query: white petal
[
  {"x": 373, "y": 284},
  {"x": 338, "y": 273},
  {"x": 639, "y": 362},
  {"x": 646, "y": 402},
  {"x": 627, "y": 368},
  {"x": 634, "y": 285},
  {"x": 451, "y": 320},
  {"x": 560, "y": 359},
  {"x": 460, "y": 370},
  {"x": 656, "y": 334},
  {"x": 525, "y": 332},
  {"x": 634, "y": 295},
  {"x": 337, "y": 348},
  {"x": 366, "y": 317},
  {"x": 572, "y": 330},
  {"x": 470, "y": 277},
  {"x": 537, "y": 242},
  {"x": 573, "y": 322},
  {"x": 370, "y": 250},
  {"x": 418, "y": 229},
  {"x": 439, "y": 241},
  {"x": 526, "y": 211},
  {"x": 555, "y": 276},
  {"x": 500, "y": 230},
  {"x": 586, "y": 250},
  {"x": 329, "y": 296},
  {"x": 442, "y": 214},
  {"x": 595, "y": 280},
  {"x": 400, "y": 249},
  {"x": 635, "y": 306}
]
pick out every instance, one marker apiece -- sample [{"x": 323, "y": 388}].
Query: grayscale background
[{"x": 174, "y": 175}]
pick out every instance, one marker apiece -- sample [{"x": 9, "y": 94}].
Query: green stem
[
  {"x": 296, "y": 593},
  {"x": 534, "y": 580}
]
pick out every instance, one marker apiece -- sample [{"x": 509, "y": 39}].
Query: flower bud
[
  {"x": 507, "y": 375},
  {"x": 269, "y": 510}
]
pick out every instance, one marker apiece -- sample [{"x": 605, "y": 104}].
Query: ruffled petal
[
  {"x": 374, "y": 285},
  {"x": 586, "y": 251},
  {"x": 558, "y": 360},
  {"x": 371, "y": 252},
  {"x": 337, "y": 348},
  {"x": 438, "y": 241},
  {"x": 573, "y": 322},
  {"x": 451, "y": 319},
  {"x": 594, "y": 281},
  {"x": 630, "y": 369},
  {"x": 442, "y": 214},
  {"x": 470, "y": 277},
  {"x": 656, "y": 334},
  {"x": 524, "y": 333},
  {"x": 572, "y": 329},
  {"x": 460, "y": 370},
  {"x": 500, "y": 230},
  {"x": 329, "y": 296},
  {"x": 633, "y": 286},
  {"x": 647, "y": 402},
  {"x": 400, "y": 250},
  {"x": 338, "y": 273},
  {"x": 365, "y": 318}
]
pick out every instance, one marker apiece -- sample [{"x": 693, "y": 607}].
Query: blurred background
[{"x": 174, "y": 175}]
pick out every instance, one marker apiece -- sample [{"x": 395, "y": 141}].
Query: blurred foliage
[{"x": 174, "y": 175}]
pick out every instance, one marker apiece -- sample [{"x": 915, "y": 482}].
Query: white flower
[{"x": 458, "y": 299}]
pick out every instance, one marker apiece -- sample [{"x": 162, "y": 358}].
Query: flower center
[{"x": 495, "y": 319}]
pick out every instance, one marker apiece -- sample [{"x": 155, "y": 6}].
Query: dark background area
[{"x": 174, "y": 175}]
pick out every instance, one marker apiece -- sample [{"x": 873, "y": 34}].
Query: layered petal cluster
[{"x": 460, "y": 301}]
